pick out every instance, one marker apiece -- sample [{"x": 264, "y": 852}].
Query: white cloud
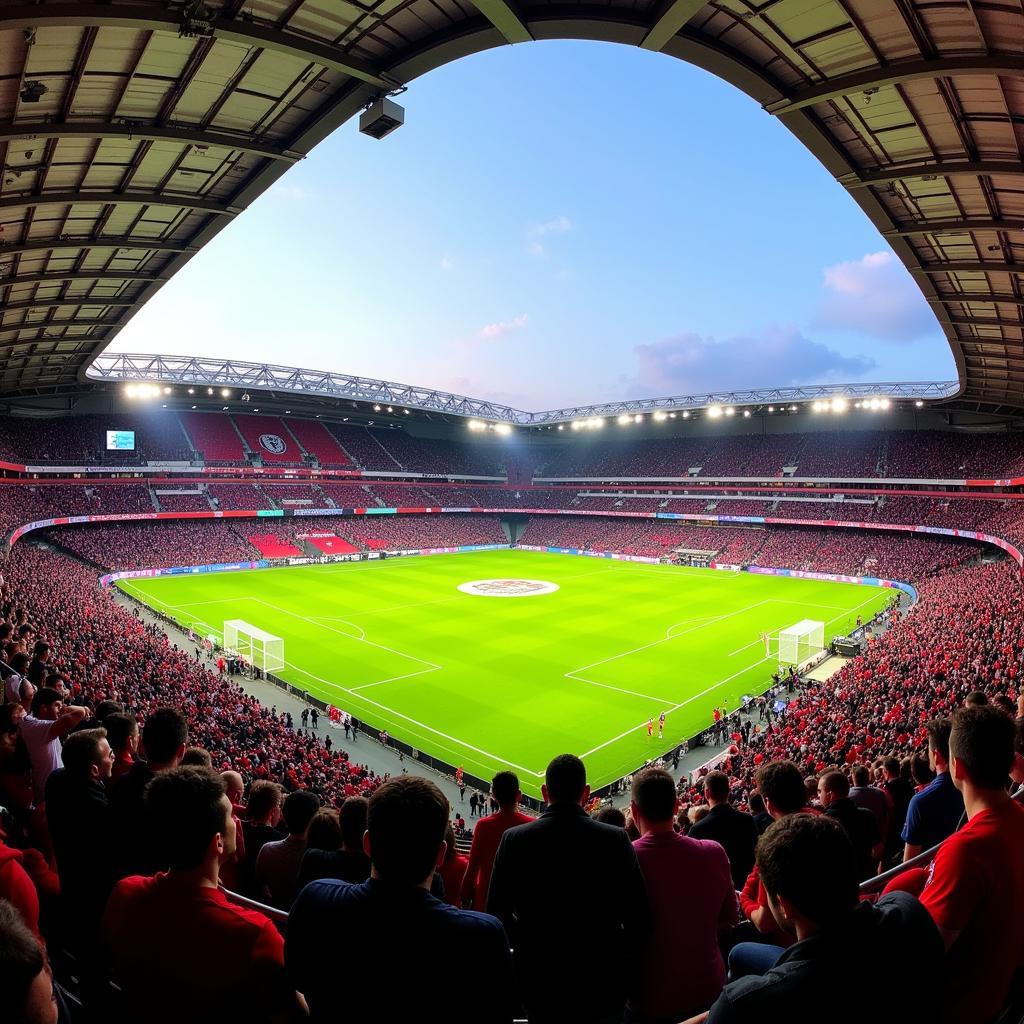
[
  {"x": 559, "y": 225},
  {"x": 447, "y": 264},
  {"x": 874, "y": 295},
  {"x": 502, "y": 327},
  {"x": 777, "y": 356}
]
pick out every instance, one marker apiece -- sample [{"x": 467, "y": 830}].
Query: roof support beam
[
  {"x": 186, "y": 136},
  {"x": 671, "y": 19},
  {"x": 981, "y": 321},
  {"x": 969, "y": 267},
  {"x": 108, "y": 242},
  {"x": 139, "y": 198},
  {"x": 944, "y": 227},
  {"x": 873, "y": 79},
  {"x": 154, "y": 19},
  {"x": 11, "y": 307},
  {"x": 503, "y": 16},
  {"x": 53, "y": 325},
  {"x": 96, "y": 277},
  {"x": 939, "y": 169},
  {"x": 972, "y": 297}
]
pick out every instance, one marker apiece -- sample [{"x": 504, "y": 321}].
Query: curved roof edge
[{"x": 235, "y": 373}]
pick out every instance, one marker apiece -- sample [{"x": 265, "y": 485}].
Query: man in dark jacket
[
  {"x": 858, "y": 823},
  {"x": 571, "y": 894},
  {"x": 810, "y": 873},
  {"x": 409, "y": 940},
  {"x": 78, "y": 816},
  {"x": 735, "y": 831}
]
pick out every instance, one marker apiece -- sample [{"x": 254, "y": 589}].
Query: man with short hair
[
  {"x": 935, "y": 812},
  {"x": 487, "y": 835},
  {"x": 25, "y": 980},
  {"x": 178, "y": 945},
  {"x": 975, "y": 889},
  {"x": 809, "y": 871},
  {"x": 349, "y": 863},
  {"x": 858, "y": 823},
  {"x": 262, "y": 817},
  {"x": 277, "y": 866},
  {"x": 123, "y": 736},
  {"x": 693, "y": 907},
  {"x": 394, "y": 917},
  {"x": 78, "y": 815},
  {"x": 570, "y": 892},
  {"x": 42, "y": 731},
  {"x": 164, "y": 737},
  {"x": 871, "y": 798},
  {"x": 900, "y": 793},
  {"x": 733, "y": 830}
]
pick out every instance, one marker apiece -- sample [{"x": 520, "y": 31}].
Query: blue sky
[{"x": 558, "y": 222}]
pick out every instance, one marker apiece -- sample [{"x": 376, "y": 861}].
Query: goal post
[
  {"x": 254, "y": 645},
  {"x": 801, "y": 642}
]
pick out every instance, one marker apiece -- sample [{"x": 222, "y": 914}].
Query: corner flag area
[{"x": 502, "y": 659}]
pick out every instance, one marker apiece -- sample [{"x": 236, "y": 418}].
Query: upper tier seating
[
  {"x": 268, "y": 438},
  {"x": 319, "y": 442},
  {"x": 214, "y": 436}
]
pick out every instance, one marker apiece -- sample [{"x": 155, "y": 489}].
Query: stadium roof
[{"x": 133, "y": 132}]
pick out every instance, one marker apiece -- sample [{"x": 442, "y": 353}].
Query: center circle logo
[
  {"x": 272, "y": 443},
  {"x": 508, "y": 588}
]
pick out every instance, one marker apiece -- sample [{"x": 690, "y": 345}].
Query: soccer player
[
  {"x": 650, "y": 727},
  {"x": 661, "y": 726}
]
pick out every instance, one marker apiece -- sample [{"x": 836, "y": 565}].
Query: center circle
[{"x": 508, "y": 588}]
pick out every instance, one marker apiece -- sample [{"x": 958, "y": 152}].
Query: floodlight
[
  {"x": 792, "y": 408},
  {"x": 884, "y": 403},
  {"x": 502, "y": 428},
  {"x": 561, "y": 426},
  {"x": 840, "y": 404},
  {"x": 671, "y": 415},
  {"x": 624, "y": 419},
  {"x": 771, "y": 408},
  {"x": 714, "y": 411},
  {"x": 209, "y": 391},
  {"x": 596, "y": 423},
  {"x": 730, "y": 411},
  {"x": 638, "y": 418},
  {"x": 390, "y": 409},
  {"x": 191, "y": 391},
  {"x": 746, "y": 414},
  {"x": 919, "y": 403},
  {"x": 130, "y": 391},
  {"x": 225, "y": 393},
  {"x": 660, "y": 417},
  {"x": 686, "y": 414},
  {"x": 381, "y": 118},
  {"x": 376, "y": 408},
  {"x": 167, "y": 391}
]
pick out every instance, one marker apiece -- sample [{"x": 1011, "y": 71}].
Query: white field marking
[
  {"x": 372, "y": 643},
  {"x": 829, "y": 622},
  {"x": 618, "y": 689},
  {"x": 668, "y": 636},
  {"x": 329, "y": 618},
  {"x": 413, "y": 721}
]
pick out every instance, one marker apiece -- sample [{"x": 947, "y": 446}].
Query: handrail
[
  {"x": 873, "y": 885},
  {"x": 275, "y": 915}
]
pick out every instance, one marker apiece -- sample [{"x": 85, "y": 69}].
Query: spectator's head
[
  {"x": 164, "y": 737},
  {"x": 405, "y": 828},
  {"x": 1017, "y": 771},
  {"x": 975, "y": 699},
  {"x": 234, "y": 786},
  {"x": 324, "y": 830},
  {"x": 653, "y": 800},
  {"x": 610, "y": 816},
  {"x": 106, "y": 708},
  {"x": 980, "y": 750},
  {"x": 41, "y": 651},
  {"x": 697, "y": 813},
  {"x": 756, "y": 803},
  {"x": 10, "y": 715},
  {"x": 833, "y": 786},
  {"x": 353, "y": 823},
  {"x": 47, "y": 704},
  {"x": 264, "y": 805},
  {"x": 505, "y": 789},
  {"x": 890, "y": 769},
  {"x": 190, "y": 819},
  {"x": 938, "y": 744},
  {"x": 123, "y": 734},
  {"x": 782, "y": 787},
  {"x": 1004, "y": 704},
  {"x": 87, "y": 755},
  {"x": 196, "y": 757},
  {"x": 716, "y": 788},
  {"x": 24, "y": 975},
  {"x": 299, "y": 810},
  {"x": 565, "y": 781},
  {"x": 809, "y": 871},
  {"x": 920, "y": 769},
  {"x": 811, "y": 787},
  {"x": 861, "y": 775}
]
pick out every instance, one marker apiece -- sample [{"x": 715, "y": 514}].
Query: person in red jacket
[{"x": 486, "y": 837}]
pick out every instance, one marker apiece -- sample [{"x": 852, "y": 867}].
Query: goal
[
  {"x": 800, "y": 643},
  {"x": 259, "y": 648}
]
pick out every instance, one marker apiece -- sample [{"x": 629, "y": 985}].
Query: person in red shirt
[
  {"x": 486, "y": 837},
  {"x": 975, "y": 888},
  {"x": 176, "y": 942},
  {"x": 452, "y": 870},
  {"x": 123, "y": 737}
]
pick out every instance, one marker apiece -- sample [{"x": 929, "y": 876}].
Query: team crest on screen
[
  {"x": 273, "y": 444},
  {"x": 508, "y": 588}
]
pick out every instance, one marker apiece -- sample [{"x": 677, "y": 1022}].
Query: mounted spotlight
[
  {"x": 381, "y": 118},
  {"x": 33, "y": 91}
]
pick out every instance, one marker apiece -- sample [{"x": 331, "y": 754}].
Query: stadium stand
[
  {"x": 269, "y": 438},
  {"x": 317, "y": 440},
  {"x": 270, "y": 547},
  {"x": 214, "y": 437}
]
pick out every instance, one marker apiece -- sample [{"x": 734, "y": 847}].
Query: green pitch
[{"x": 492, "y": 683}]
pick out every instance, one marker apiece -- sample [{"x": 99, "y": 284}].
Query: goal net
[
  {"x": 259, "y": 648},
  {"x": 801, "y": 642}
]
